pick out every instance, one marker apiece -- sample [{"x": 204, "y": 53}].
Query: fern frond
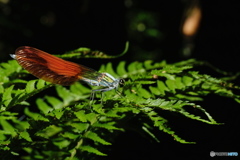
[
  {"x": 92, "y": 150},
  {"x": 95, "y": 137},
  {"x": 88, "y": 53},
  {"x": 70, "y": 124}
]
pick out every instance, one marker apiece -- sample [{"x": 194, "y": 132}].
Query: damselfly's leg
[{"x": 91, "y": 98}]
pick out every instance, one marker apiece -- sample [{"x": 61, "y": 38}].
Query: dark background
[{"x": 153, "y": 30}]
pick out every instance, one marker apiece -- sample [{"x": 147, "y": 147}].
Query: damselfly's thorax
[{"x": 105, "y": 80}]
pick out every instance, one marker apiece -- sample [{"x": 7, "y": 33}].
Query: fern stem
[{"x": 74, "y": 151}]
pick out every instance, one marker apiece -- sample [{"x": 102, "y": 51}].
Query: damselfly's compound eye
[{"x": 121, "y": 82}]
